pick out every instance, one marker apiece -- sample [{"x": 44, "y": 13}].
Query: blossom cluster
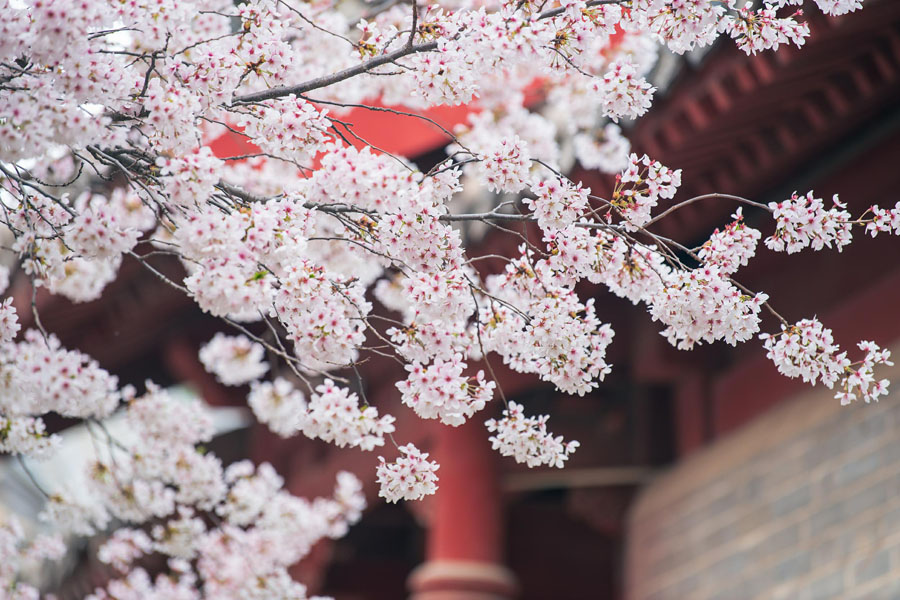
[
  {"x": 607, "y": 152},
  {"x": 234, "y": 257},
  {"x": 639, "y": 188},
  {"x": 278, "y": 405},
  {"x": 171, "y": 111},
  {"x": 807, "y": 350},
  {"x": 9, "y": 321},
  {"x": 162, "y": 475},
  {"x": 859, "y": 380},
  {"x": 623, "y": 93},
  {"x": 683, "y": 25},
  {"x": 189, "y": 178},
  {"x": 527, "y": 440},
  {"x": 732, "y": 247},
  {"x": 74, "y": 248},
  {"x": 17, "y": 553},
  {"x": 37, "y": 376},
  {"x": 803, "y": 222},
  {"x": 829, "y": 7},
  {"x": 763, "y": 29},
  {"x": 702, "y": 304},
  {"x": 505, "y": 165},
  {"x": 557, "y": 203},
  {"x": 410, "y": 477},
  {"x": 440, "y": 391},
  {"x": 335, "y": 415},
  {"x": 235, "y": 360},
  {"x": 289, "y": 128},
  {"x": 884, "y": 220},
  {"x": 553, "y": 335},
  {"x": 323, "y": 315},
  {"x": 422, "y": 342}
]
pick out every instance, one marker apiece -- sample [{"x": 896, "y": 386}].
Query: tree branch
[{"x": 325, "y": 81}]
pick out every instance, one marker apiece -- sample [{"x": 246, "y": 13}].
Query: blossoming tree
[{"x": 107, "y": 111}]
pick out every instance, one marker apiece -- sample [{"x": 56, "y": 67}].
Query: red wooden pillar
[{"x": 465, "y": 536}]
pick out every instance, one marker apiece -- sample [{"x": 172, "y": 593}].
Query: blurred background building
[{"x": 701, "y": 475}]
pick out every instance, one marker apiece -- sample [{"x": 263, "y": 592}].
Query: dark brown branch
[{"x": 327, "y": 80}]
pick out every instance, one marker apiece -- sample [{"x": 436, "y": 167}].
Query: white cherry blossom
[
  {"x": 234, "y": 360},
  {"x": 440, "y": 391},
  {"x": 410, "y": 477},
  {"x": 803, "y": 222},
  {"x": 527, "y": 440},
  {"x": 278, "y": 405}
]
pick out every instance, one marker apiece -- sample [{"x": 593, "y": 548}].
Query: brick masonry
[{"x": 803, "y": 503}]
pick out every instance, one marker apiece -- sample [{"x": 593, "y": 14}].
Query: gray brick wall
[{"x": 801, "y": 504}]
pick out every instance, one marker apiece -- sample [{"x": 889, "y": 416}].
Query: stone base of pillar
[{"x": 462, "y": 580}]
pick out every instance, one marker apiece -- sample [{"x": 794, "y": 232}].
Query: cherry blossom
[
  {"x": 441, "y": 296},
  {"x": 607, "y": 152},
  {"x": 639, "y": 188},
  {"x": 558, "y": 203},
  {"x": 703, "y": 305},
  {"x": 859, "y": 378},
  {"x": 803, "y": 222},
  {"x": 334, "y": 415},
  {"x": 445, "y": 77},
  {"x": 179, "y": 537},
  {"x": 731, "y": 248},
  {"x": 884, "y": 220},
  {"x": 230, "y": 287},
  {"x": 505, "y": 164},
  {"x": 189, "y": 179},
  {"x": 623, "y": 93},
  {"x": 96, "y": 233},
  {"x": 289, "y": 128},
  {"x": 16, "y": 553},
  {"x": 682, "y": 24},
  {"x": 235, "y": 360},
  {"x": 9, "y": 321},
  {"x": 172, "y": 109},
  {"x": 322, "y": 315},
  {"x": 440, "y": 391},
  {"x": 423, "y": 341},
  {"x": 161, "y": 419},
  {"x": 806, "y": 350},
  {"x": 410, "y": 477},
  {"x": 137, "y": 584},
  {"x": 829, "y": 7},
  {"x": 527, "y": 440},
  {"x": 27, "y": 436},
  {"x": 40, "y": 376},
  {"x": 754, "y": 31},
  {"x": 124, "y": 547},
  {"x": 278, "y": 405},
  {"x": 74, "y": 516}
]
